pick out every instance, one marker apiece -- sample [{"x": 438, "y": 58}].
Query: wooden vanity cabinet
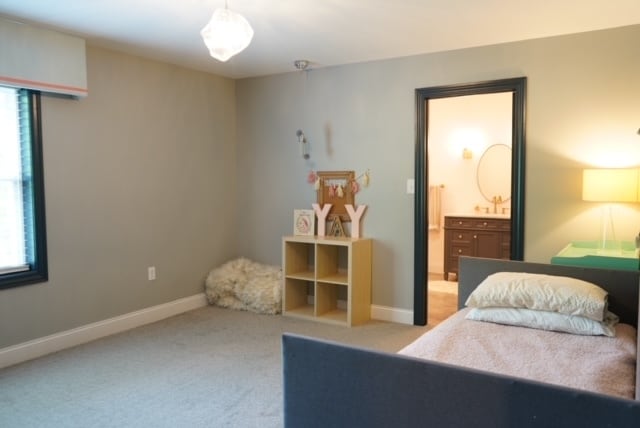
[{"x": 475, "y": 236}]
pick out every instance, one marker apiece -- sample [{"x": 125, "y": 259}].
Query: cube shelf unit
[{"x": 327, "y": 279}]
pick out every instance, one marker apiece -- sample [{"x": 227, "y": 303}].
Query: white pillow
[
  {"x": 551, "y": 293},
  {"x": 544, "y": 320}
]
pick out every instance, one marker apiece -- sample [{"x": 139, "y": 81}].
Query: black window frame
[{"x": 38, "y": 267}]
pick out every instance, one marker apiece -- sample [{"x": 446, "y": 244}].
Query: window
[{"x": 23, "y": 249}]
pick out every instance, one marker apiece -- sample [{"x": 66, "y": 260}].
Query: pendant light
[{"x": 227, "y": 34}]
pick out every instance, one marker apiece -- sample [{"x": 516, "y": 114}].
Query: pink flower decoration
[
  {"x": 312, "y": 177},
  {"x": 355, "y": 187}
]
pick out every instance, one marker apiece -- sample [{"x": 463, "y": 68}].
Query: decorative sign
[
  {"x": 335, "y": 188},
  {"x": 336, "y": 227},
  {"x": 355, "y": 215},
  {"x": 322, "y": 217},
  {"x": 303, "y": 222}
]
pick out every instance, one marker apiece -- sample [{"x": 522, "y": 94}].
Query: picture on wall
[{"x": 335, "y": 189}]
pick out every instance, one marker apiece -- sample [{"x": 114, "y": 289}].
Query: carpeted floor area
[{"x": 208, "y": 367}]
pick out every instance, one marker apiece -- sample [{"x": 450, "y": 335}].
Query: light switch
[{"x": 411, "y": 186}]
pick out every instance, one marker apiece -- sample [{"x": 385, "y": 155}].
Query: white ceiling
[{"x": 325, "y": 32}]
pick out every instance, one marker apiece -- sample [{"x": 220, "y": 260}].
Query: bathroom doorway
[{"x": 516, "y": 87}]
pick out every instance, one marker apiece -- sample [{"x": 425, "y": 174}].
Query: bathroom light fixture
[
  {"x": 467, "y": 153},
  {"x": 609, "y": 185},
  {"x": 226, "y": 34}
]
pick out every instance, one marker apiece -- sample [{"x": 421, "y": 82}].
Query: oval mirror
[{"x": 494, "y": 173}]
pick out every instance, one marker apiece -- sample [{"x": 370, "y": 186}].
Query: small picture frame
[
  {"x": 304, "y": 222},
  {"x": 336, "y": 228}
]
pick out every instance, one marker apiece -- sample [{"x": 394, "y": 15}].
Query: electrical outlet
[{"x": 151, "y": 273}]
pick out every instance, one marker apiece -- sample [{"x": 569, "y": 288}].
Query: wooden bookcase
[{"x": 327, "y": 279}]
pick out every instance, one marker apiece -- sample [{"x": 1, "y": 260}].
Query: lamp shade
[
  {"x": 610, "y": 185},
  {"x": 226, "y": 34}
]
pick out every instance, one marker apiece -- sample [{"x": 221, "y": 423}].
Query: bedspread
[{"x": 594, "y": 363}]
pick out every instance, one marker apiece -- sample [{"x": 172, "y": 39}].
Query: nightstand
[{"x": 621, "y": 255}]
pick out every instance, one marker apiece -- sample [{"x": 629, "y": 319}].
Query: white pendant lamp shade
[{"x": 226, "y": 34}]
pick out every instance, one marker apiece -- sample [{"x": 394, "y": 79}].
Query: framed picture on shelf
[
  {"x": 335, "y": 190},
  {"x": 304, "y": 222}
]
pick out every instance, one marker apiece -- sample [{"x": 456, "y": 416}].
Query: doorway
[{"x": 516, "y": 86}]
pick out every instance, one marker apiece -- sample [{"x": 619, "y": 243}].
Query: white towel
[{"x": 434, "y": 205}]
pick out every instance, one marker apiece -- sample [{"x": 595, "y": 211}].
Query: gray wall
[
  {"x": 152, "y": 168},
  {"x": 139, "y": 173},
  {"x": 582, "y": 105}
]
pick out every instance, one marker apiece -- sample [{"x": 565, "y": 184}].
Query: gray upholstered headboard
[{"x": 622, "y": 285}]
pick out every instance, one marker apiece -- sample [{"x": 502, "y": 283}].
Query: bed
[{"x": 329, "y": 384}]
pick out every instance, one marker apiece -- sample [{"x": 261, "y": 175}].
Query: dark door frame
[{"x": 421, "y": 251}]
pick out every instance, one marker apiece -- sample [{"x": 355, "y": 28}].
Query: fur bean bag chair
[{"x": 246, "y": 285}]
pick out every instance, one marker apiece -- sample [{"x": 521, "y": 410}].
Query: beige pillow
[
  {"x": 543, "y": 320},
  {"x": 560, "y": 294}
]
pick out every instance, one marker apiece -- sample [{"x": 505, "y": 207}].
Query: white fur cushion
[
  {"x": 246, "y": 285},
  {"x": 560, "y": 294}
]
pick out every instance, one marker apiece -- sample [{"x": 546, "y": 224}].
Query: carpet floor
[{"x": 210, "y": 367}]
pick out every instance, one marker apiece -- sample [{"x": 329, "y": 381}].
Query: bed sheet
[{"x": 594, "y": 363}]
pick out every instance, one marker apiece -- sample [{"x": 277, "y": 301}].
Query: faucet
[{"x": 496, "y": 200}]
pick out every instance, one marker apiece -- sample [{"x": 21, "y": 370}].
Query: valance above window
[{"x": 44, "y": 60}]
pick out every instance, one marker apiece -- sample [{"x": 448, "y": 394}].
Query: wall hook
[{"x": 302, "y": 140}]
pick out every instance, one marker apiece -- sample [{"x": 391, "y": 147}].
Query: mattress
[{"x": 600, "y": 364}]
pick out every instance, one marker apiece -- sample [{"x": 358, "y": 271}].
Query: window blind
[
  {"x": 13, "y": 251},
  {"x": 40, "y": 59}
]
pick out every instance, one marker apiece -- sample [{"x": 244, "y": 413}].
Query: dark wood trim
[
  {"x": 421, "y": 251},
  {"x": 39, "y": 268}
]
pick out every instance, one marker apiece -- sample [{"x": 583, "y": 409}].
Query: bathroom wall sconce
[
  {"x": 467, "y": 153},
  {"x": 302, "y": 140}
]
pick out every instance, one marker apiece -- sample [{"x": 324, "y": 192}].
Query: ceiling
[{"x": 324, "y": 32}]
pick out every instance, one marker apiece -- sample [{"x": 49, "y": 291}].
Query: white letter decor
[
  {"x": 355, "y": 218},
  {"x": 322, "y": 216}
]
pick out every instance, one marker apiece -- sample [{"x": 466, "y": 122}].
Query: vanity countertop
[{"x": 478, "y": 215}]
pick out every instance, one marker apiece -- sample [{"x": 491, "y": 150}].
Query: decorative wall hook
[{"x": 302, "y": 140}]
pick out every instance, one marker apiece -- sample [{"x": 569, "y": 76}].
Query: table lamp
[{"x": 609, "y": 186}]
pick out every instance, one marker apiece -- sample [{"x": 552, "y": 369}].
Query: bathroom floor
[{"x": 443, "y": 299}]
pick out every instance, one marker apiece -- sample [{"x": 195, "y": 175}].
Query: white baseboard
[
  {"x": 386, "y": 313},
  {"x": 381, "y": 313},
  {"x": 56, "y": 342}
]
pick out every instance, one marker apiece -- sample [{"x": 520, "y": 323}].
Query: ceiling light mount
[{"x": 301, "y": 64}]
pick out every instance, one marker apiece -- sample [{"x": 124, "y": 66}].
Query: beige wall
[
  {"x": 582, "y": 105},
  {"x": 139, "y": 173}
]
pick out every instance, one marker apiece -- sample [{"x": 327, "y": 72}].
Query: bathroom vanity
[{"x": 475, "y": 235}]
